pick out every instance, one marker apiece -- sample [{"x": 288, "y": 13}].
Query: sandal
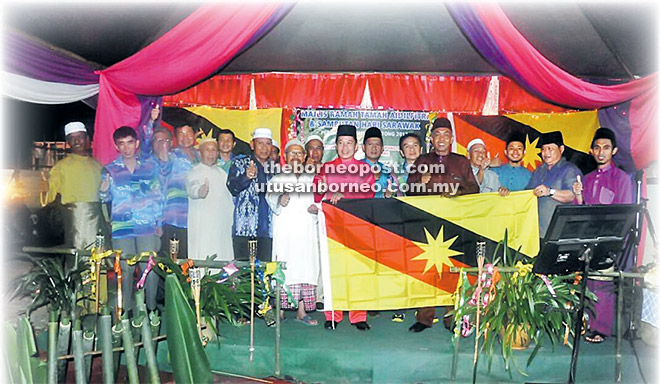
[
  {"x": 307, "y": 320},
  {"x": 594, "y": 337}
]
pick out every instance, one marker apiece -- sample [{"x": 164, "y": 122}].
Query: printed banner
[{"x": 393, "y": 125}]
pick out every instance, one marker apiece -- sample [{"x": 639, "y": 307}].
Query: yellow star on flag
[
  {"x": 437, "y": 251},
  {"x": 531, "y": 153}
]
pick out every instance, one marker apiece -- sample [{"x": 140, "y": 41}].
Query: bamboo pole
[
  {"x": 78, "y": 354},
  {"x": 116, "y": 347},
  {"x": 88, "y": 345},
  {"x": 63, "y": 342},
  {"x": 53, "y": 325},
  {"x": 105, "y": 339},
  {"x": 129, "y": 348},
  {"x": 152, "y": 365}
]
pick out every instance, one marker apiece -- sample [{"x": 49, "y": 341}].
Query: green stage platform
[{"x": 388, "y": 353}]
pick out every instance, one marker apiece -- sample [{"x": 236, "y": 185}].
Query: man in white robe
[
  {"x": 294, "y": 231},
  {"x": 210, "y": 208}
]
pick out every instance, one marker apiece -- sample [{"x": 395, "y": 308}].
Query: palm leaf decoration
[{"x": 49, "y": 283}]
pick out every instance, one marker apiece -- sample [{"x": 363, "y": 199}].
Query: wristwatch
[{"x": 551, "y": 192}]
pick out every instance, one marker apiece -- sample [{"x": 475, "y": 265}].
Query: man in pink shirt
[{"x": 345, "y": 177}]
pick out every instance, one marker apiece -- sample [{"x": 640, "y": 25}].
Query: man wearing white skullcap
[
  {"x": 314, "y": 149},
  {"x": 76, "y": 179},
  {"x": 295, "y": 238},
  {"x": 275, "y": 152},
  {"x": 480, "y": 162},
  {"x": 247, "y": 183}
]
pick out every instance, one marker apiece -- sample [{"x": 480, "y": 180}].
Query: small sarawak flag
[{"x": 380, "y": 254}]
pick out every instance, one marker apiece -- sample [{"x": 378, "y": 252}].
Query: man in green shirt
[{"x": 77, "y": 179}]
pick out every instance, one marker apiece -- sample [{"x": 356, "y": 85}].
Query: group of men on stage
[{"x": 206, "y": 196}]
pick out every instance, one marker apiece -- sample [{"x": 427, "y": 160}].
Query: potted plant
[{"x": 517, "y": 301}]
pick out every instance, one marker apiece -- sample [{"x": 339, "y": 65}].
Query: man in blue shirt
[
  {"x": 372, "y": 145},
  {"x": 247, "y": 183},
  {"x": 553, "y": 180},
  {"x": 133, "y": 186},
  {"x": 513, "y": 175}
]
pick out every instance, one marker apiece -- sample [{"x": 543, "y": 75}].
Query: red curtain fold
[
  {"x": 306, "y": 90},
  {"x": 462, "y": 94},
  {"x": 191, "y": 51},
  {"x": 515, "y": 99},
  {"x": 231, "y": 91}
]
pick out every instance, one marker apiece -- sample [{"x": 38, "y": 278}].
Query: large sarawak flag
[{"x": 380, "y": 254}]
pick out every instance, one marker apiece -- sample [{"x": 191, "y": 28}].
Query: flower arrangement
[{"x": 513, "y": 301}]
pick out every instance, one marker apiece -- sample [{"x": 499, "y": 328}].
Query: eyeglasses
[
  {"x": 296, "y": 153},
  {"x": 161, "y": 141}
]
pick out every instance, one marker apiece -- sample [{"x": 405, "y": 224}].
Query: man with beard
[
  {"x": 210, "y": 207},
  {"x": 606, "y": 185},
  {"x": 294, "y": 231}
]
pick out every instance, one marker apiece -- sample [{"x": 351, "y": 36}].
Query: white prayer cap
[
  {"x": 294, "y": 142},
  {"x": 73, "y": 127},
  {"x": 475, "y": 142},
  {"x": 275, "y": 144},
  {"x": 313, "y": 137},
  {"x": 262, "y": 133}
]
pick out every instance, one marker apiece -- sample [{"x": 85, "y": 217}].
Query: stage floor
[{"x": 389, "y": 353}]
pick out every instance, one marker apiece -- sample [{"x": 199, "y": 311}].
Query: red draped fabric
[
  {"x": 515, "y": 99},
  {"x": 231, "y": 91},
  {"x": 428, "y": 93},
  {"x": 306, "y": 90},
  {"x": 497, "y": 39},
  {"x": 546, "y": 78},
  {"x": 194, "y": 49}
]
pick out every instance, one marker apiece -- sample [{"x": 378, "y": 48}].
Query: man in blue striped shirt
[{"x": 132, "y": 185}]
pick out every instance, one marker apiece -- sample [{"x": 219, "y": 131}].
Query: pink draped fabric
[
  {"x": 547, "y": 79},
  {"x": 540, "y": 76},
  {"x": 190, "y": 52}
]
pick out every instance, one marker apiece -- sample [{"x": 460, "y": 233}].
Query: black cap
[
  {"x": 554, "y": 137},
  {"x": 515, "y": 136},
  {"x": 441, "y": 122},
  {"x": 604, "y": 133},
  {"x": 372, "y": 132},
  {"x": 347, "y": 130}
]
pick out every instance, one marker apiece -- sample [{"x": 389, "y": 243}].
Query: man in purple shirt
[{"x": 606, "y": 185}]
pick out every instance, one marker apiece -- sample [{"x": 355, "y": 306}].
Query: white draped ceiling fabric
[{"x": 45, "y": 92}]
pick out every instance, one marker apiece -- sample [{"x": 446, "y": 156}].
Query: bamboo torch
[
  {"x": 120, "y": 298},
  {"x": 252, "y": 247},
  {"x": 195, "y": 275}
]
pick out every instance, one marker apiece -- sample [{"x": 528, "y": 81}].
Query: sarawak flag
[{"x": 381, "y": 254}]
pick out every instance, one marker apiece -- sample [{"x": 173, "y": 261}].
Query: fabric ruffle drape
[
  {"x": 193, "y": 50},
  {"x": 495, "y": 37}
]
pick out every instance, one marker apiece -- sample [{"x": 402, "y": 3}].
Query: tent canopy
[{"x": 606, "y": 40}]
